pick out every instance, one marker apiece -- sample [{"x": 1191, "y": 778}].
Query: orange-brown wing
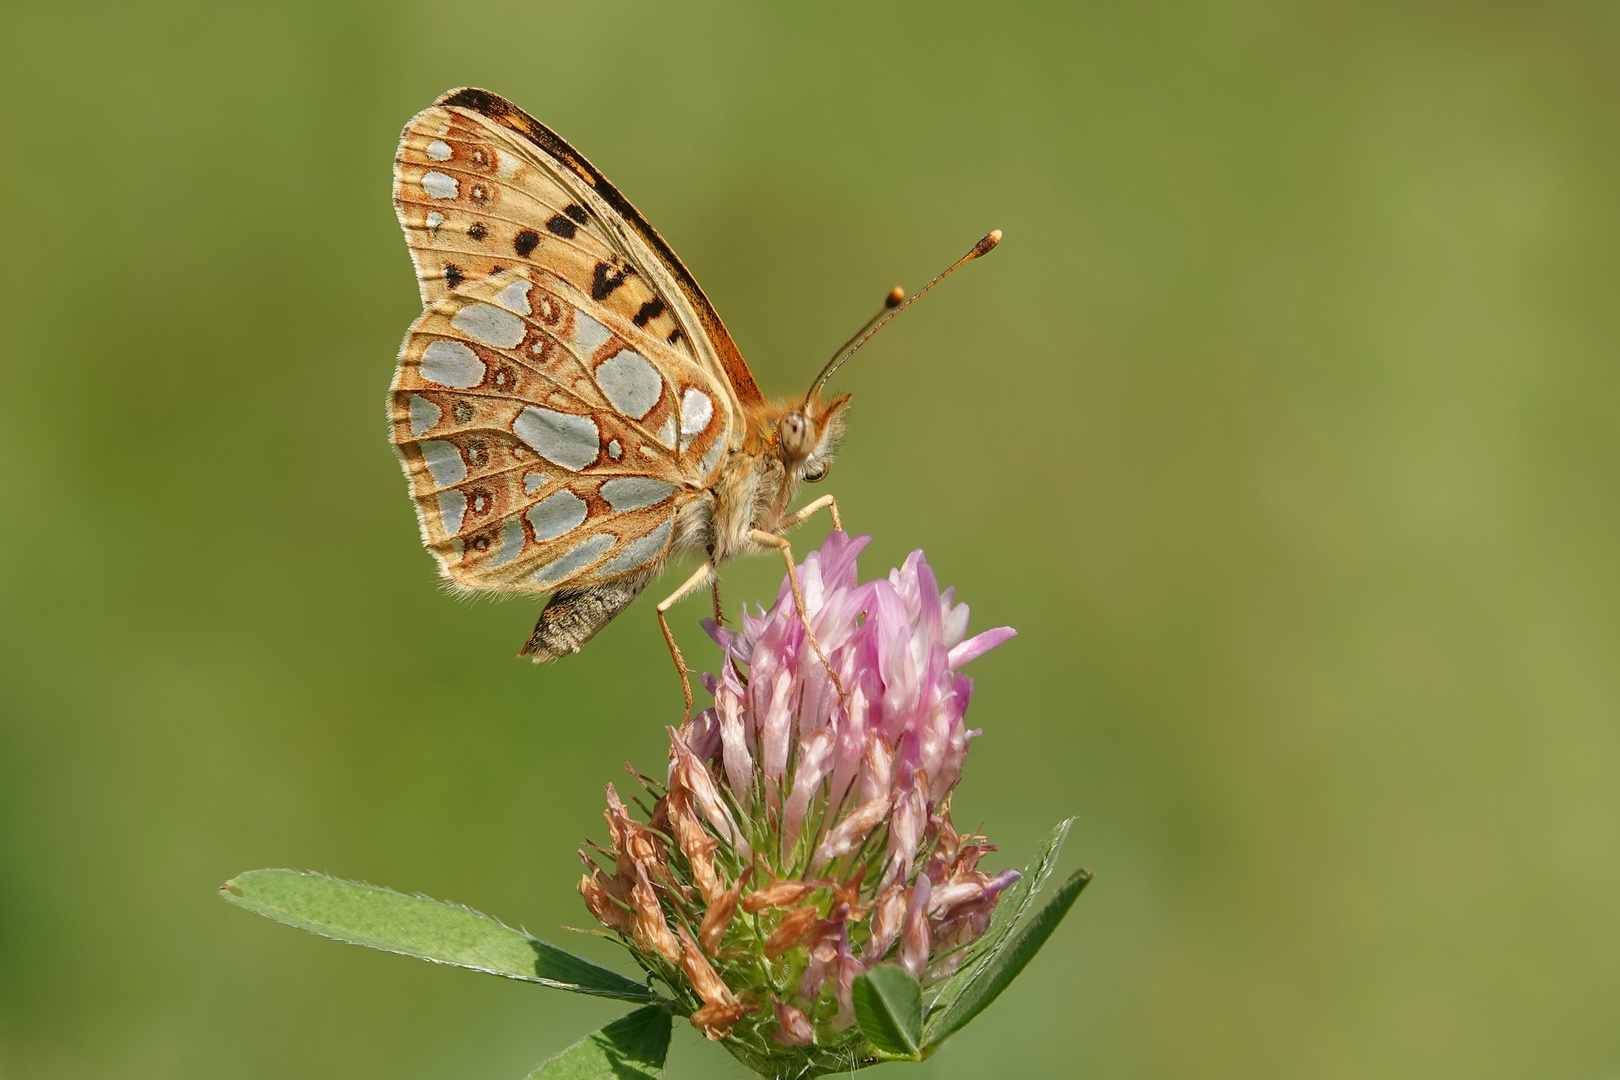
[
  {"x": 479, "y": 185},
  {"x": 548, "y": 441}
]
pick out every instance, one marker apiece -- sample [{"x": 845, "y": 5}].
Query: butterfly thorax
[{"x": 785, "y": 443}]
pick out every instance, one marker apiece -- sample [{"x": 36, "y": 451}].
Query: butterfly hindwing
[{"x": 548, "y": 441}]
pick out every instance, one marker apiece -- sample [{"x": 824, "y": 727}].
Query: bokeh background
[{"x": 1282, "y": 425}]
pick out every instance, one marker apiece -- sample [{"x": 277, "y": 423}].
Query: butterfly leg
[
  {"x": 760, "y": 536},
  {"x": 691, "y": 585},
  {"x": 825, "y": 502}
]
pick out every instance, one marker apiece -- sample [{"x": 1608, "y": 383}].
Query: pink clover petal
[
  {"x": 696, "y": 777},
  {"x": 952, "y": 894},
  {"x": 842, "y": 550},
  {"x": 703, "y": 734},
  {"x": 731, "y": 641},
  {"x": 955, "y": 622},
  {"x": 931, "y": 616},
  {"x": 815, "y": 761},
  {"x": 979, "y": 644},
  {"x": 905, "y": 829},
  {"x": 792, "y": 1026},
  {"x": 850, "y": 833},
  {"x": 822, "y": 958},
  {"x": 844, "y": 987},
  {"x": 739, "y": 763},
  {"x": 851, "y": 736},
  {"x": 1001, "y": 881},
  {"x": 877, "y": 770},
  {"x": 887, "y": 917},
  {"x": 950, "y": 765},
  {"x": 776, "y": 730},
  {"x": 914, "y": 938}
]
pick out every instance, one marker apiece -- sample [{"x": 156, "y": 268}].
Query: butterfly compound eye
[
  {"x": 815, "y": 474},
  {"x": 794, "y": 436}
]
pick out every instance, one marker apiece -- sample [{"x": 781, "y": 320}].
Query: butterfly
[{"x": 569, "y": 409}]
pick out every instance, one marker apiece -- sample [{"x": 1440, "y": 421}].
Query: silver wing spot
[
  {"x": 639, "y": 552},
  {"x": 443, "y": 461},
  {"x": 561, "y": 438},
  {"x": 424, "y": 416},
  {"x": 452, "y": 505},
  {"x": 451, "y": 363},
  {"x": 696, "y": 411},
  {"x": 440, "y": 186},
  {"x": 588, "y": 334},
  {"x": 630, "y": 383},
  {"x": 490, "y": 325},
  {"x": 634, "y": 492},
  {"x": 511, "y": 543},
  {"x": 556, "y": 515},
  {"x": 580, "y": 556},
  {"x": 515, "y": 297}
]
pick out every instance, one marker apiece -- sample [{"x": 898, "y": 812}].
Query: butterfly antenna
[
  {"x": 896, "y": 302},
  {"x": 896, "y": 296}
]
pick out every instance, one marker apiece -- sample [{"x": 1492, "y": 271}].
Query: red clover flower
[{"x": 803, "y": 834}]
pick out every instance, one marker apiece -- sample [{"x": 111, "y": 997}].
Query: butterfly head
[{"x": 806, "y": 435}]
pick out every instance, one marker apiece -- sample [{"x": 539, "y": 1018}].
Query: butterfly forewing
[
  {"x": 475, "y": 197},
  {"x": 547, "y": 441}
]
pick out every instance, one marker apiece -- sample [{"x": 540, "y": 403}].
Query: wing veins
[
  {"x": 578, "y": 307},
  {"x": 556, "y": 387},
  {"x": 502, "y": 219},
  {"x": 680, "y": 484}
]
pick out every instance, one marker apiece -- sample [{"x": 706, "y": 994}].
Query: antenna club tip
[
  {"x": 991, "y": 239},
  {"x": 896, "y": 297}
]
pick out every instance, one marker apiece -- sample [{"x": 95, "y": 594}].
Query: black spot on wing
[
  {"x": 453, "y": 275},
  {"x": 525, "y": 242},
  {"x": 477, "y": 231},
  {"x": 649, "y": 311},
  {"x": 561, "y": 226},
  {"x": 605, "y": 279},
  {"x": 577, "y": 212},
  {"x": 674, "y": 336}
]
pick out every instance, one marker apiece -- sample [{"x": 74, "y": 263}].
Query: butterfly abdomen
[{"x": 573, "y": 616}]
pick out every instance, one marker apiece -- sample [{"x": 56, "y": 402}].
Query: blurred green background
[{"x": 1282, "y": 425}]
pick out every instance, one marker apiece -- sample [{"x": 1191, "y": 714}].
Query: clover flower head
[{"x": 803, "y": 832}]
